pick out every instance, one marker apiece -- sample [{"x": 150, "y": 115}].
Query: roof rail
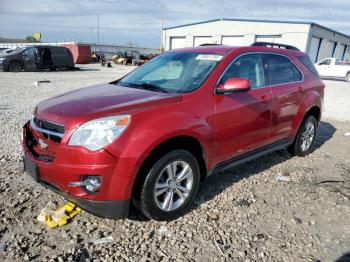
[
  {"x": 269, "y": 44},
  {"x": 209, "y": 44}
]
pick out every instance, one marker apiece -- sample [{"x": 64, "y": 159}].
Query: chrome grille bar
[{"x": 45, "y": 131}]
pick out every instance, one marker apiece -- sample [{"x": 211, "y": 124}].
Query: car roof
[{"x": 223, "y": 49}]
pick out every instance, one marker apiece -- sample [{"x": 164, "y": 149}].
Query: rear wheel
[
  {"x": 170, "y": 186},
  {"x": 15, "y": 66},
  {"x": 305, "y": 138},
  {"x": 348, "y": 77}
]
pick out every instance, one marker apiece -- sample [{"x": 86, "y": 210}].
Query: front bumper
[
  {"x": 69, "y": 164},
  {"x": 108, "y": 209}
]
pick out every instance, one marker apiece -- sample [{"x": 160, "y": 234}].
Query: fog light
[{"x": 92, "y": 183}]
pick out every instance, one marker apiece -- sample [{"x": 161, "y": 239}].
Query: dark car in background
[
  {"x": 33, "y": 58},
  {"x": 4, "y": 51}
]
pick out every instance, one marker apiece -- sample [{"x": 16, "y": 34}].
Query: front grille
[
  {"x": 31, "y": 142},
  {"x": 49, "y": 125}
]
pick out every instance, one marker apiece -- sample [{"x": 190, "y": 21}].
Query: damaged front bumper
[{"x": 69, "y": 165}]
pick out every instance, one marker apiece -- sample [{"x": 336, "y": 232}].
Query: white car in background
[{"x": 333, "y": 68}]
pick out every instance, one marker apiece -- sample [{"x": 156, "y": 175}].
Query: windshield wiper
[{"x": 149, "y": 86}]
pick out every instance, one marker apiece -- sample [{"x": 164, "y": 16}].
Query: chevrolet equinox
[{"x": 150, "y": 137}]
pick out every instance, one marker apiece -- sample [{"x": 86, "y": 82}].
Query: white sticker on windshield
[{"x": 209, "y": 57}]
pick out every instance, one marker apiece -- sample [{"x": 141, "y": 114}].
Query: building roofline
[
  {"x": 259, "y": 21},
  {"x": 239, "y": 20},
  {"x": 329, "y": 29}
]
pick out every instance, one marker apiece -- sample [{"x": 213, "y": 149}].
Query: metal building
[{"x": 318, "y": 41}]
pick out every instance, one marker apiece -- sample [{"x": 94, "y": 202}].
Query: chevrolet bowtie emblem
[{"x": 42, "y": 144}]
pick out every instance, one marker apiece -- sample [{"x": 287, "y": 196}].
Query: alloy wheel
[
  {"x": 173, "y": 186},
  {"x": 307, "y": 137}
]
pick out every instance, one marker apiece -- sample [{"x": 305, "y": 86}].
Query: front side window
[
  {"x": 281, "y": 70},
  {"x": 173, "y": 72},
  {"x": 248, "y": 66},
  {"x": 325, "y": 62},
  {"x": 29, "y": 52}
]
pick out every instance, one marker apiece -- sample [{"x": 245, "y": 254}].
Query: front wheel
[
  {"x": 348, "y": 77},
  {"x": 15, "y": 66},
  {"x": 305, "y": 138},
  {"x": 170, "y": 186}
]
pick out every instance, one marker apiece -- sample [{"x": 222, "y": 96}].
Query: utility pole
[
  {"x": 98, "y": 29},
  {"x": 91, "y": 35},
  {"x": 162, "y": 25}
]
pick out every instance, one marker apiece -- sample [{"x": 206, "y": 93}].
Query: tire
[
  {"x": 305, "y": 137},
  {"x": 348, "y": 77},
  {"x": 161, "y": 198},
  {"x": 15, "y": 66}
]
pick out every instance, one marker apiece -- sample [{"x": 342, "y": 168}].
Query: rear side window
[
  {"x": 281, "y": 70},
  {"x": 305, "y": 60}
]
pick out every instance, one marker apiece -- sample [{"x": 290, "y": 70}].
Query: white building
[{"x": 316, "y": 40}]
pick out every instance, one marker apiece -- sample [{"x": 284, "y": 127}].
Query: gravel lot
[{"x": 243, "y": 214}]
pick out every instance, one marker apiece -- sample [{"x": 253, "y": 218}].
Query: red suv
[{"x": 152, "y": 136}]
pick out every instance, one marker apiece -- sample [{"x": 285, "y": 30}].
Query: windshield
[
  {"x": 14, "y": 51},
  {"x": 173, "y": 72}
]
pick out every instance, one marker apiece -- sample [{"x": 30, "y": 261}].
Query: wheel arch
[
  {"x": 314, "y": 111},
  {"x": 15, "y": 60},
  {"x": 185, "y": 142}
]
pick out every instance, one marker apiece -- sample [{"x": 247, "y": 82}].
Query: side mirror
[{"x": 234, "y": 85}]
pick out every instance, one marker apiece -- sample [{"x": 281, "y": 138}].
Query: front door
[
  {"x": 29, "y": 59},
  {"x": 243, "y": 119},
  {"x": 323, "y": 67}
]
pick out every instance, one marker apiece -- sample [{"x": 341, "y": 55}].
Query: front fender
[{"x": 150, "y": 132}]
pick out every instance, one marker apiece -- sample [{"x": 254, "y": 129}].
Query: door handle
[{"x": 301, "y": 90}]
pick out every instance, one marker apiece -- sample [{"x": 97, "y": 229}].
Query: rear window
[
  {"x": 305, "y": 60},
  {"x": 281, "y": 70}
]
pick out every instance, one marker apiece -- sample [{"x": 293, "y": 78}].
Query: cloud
[{"x": 138, "y": 21}]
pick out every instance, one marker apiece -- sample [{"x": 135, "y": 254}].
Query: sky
[{"x": 138, "y": 21}]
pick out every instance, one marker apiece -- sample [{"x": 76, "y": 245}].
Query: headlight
[{"x": 98, "y": 133}]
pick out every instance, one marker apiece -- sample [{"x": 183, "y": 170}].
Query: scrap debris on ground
[{"x": 276, "y": 208}]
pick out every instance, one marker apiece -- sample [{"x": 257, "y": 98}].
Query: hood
[
  {"x": 98, "y": 101},
  {"x": 4, "y": 55}
]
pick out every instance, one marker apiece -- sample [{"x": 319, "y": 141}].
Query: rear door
[
  {"x": 60, "y": 57},
  {"x": 286, "y": 82},
  {"x": 243, "y": 119},
  {"x": 337, "y": 70},
  {"x": 56, "y": 57}
]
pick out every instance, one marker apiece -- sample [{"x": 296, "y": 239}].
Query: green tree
[{"x": 30, "y": 39}]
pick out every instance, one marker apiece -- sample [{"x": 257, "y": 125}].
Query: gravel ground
[
  {"x": 243, "y": 214},
  {"x": 337, "y": 100}
]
